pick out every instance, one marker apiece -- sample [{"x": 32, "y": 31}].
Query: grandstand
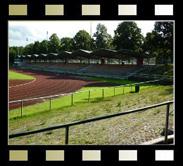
[
  {"x": 38, "y": 65},
  {"x": 102, "y": 62},
  {"x": 67, "y": 67},
  {"x": 109, "y": 69}
]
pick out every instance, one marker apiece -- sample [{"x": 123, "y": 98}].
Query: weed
[
  {"x": 119, "y": 104},
  {"x": 157, "y": 112},
  {"x": 126, "y": 102},
  {"x": 108, "y": 110},
  {"x": 49, "y": 132},
  {"x": 29, "y": 127}
]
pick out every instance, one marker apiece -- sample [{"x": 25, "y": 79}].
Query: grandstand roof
[
  {"x": 42, "y": 55},
  {"x": 100, "y": 53},
  {"x": 23, "y": 56},
  {"x": 65, "y": 55},
  {"x": 130, "y": 53},
  {"x": 51, "y": 55},
  {"x": 82, "y": 53},
  {"x": 29, "y": 56},
  {"x": 105, "y": 53},
  {"x": 35, "y": 55}
]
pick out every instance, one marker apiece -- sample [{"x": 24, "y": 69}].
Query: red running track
[{"x": 46, "y": 84}]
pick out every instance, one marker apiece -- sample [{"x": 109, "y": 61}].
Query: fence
[
  {"x": 66, "y": 126},
  {"x": 72, "y": 94}
]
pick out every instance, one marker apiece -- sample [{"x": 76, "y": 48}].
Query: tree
[
  {"x": 82, "y": 40},
  {"x": 160, "y": 41},
  {"x": 28, "y": 49},
  {"x": 20, "y": 50},
  {"x": 149, "y": 43},
  {"x": 163, "y": 32},
  {"x": 54, "y": 43},
  {"x": 103, "y": 39},
  {"x": 128, "y": 36},
  {"x": 43, "y": 48},
  {"x": 36, "y": 47},
  {"x": 12, "y": 54},
  {"x": 66, "y": 44}
]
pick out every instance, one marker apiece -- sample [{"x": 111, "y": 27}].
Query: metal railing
[
  {"x": 72, "y": 94},
  {"x": 66, "y": 126},
  {"x": 153, "y": 76}
]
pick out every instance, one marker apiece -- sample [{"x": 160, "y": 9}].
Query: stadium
[
  {"x": 59, "y": 77},
  {"x": 91, "y": 97},
  {"x": 81, "y": 61}
]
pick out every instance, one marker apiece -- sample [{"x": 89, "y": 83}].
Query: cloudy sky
[{"x": 37, "y": 30}]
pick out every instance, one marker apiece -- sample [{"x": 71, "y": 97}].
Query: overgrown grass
[
  {"x": 18, "y": 76},
  {"x": 160, "y": 69},
  {"x": 117, "y": 130}
]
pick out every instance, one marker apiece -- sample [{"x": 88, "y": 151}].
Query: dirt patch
[{"x": 18, "y": 82}]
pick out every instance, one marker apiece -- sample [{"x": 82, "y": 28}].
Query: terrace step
[
  {"x": 50, "y": 66},
  {"x": 142, "y": 68},
  {"x": 84, "y": 68}
]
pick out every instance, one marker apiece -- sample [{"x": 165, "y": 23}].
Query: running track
[{"x": 46, "y": 84}]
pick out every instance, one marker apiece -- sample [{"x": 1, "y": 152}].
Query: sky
[{"x": 19, "y": 31}]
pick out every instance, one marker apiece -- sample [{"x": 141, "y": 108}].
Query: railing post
[
  {"x": 67, "y": 135},
  {"x": 21, "y": 108},
  {"x": 166, "y": 124},
  {"x": 88, "y": 96},
  {"x": 72, "y": 99},
  {"x": 50, "y": 103}
]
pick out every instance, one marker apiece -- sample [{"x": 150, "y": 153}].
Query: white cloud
[
  {"x": 15, "y": 35},
  {"x": 37, "y": 30}
]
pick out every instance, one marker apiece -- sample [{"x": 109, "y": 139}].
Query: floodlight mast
[
  {"x": 47, "y": 43},
  {"x": 27, "y": 43},
  {"x": 91, "y": 28}
]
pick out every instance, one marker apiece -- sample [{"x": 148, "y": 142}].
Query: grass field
[
  {"x": 111, "y": 80},
  {"x": 130, "y": 129},
  {"x": 18, "y": 76},
  {"x": 96, "y": 95}
]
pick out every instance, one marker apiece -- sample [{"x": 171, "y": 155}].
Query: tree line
[{"x": 127, "y": 36}]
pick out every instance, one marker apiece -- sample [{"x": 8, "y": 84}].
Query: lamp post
[
  {"x": 91, "y": 28},
  {"x": 47, "y": 43},
  {"x": 26, "y": 45}
]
